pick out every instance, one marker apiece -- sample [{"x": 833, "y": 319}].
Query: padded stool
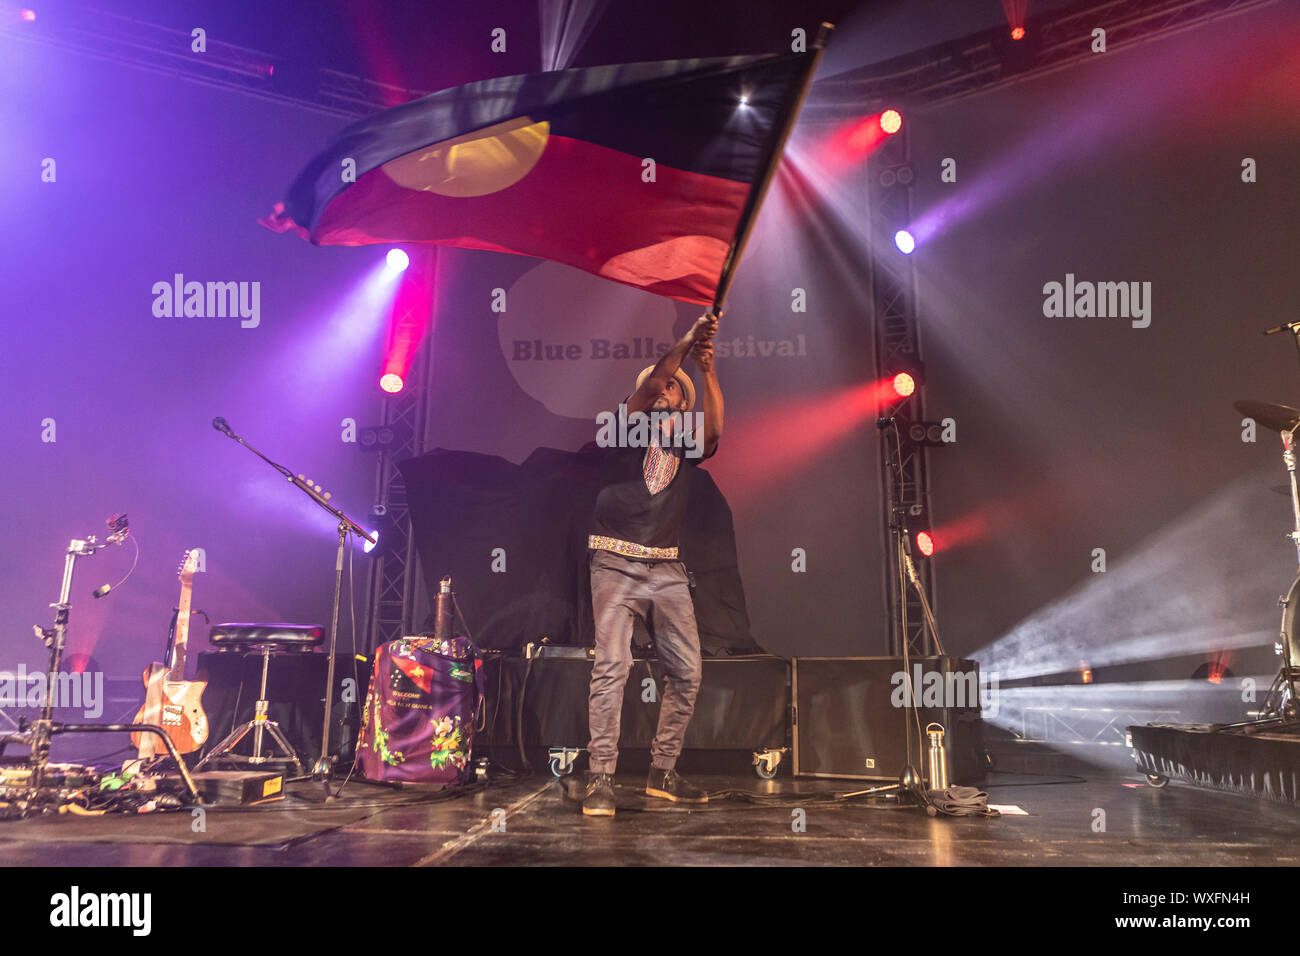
[{"x": 263, "y": 639}]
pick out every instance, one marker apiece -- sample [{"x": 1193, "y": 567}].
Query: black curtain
[{"x": 474, "y": 514}]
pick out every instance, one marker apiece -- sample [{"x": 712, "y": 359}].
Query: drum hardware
[{"x": 1281, "y": 704}]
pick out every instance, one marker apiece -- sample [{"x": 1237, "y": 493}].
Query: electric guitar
[{"x": 171, "y": 701}]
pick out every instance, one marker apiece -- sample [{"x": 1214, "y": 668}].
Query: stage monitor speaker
[{"x": 850, "y": 720}]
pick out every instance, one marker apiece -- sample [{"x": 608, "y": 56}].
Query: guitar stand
[{"x": 260, "y": 725}]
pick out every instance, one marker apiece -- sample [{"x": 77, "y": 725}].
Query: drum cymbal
[{"x": 1280, "y": 418}]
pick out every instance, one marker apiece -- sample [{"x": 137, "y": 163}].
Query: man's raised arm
[
  {"x": 710, "y": 395},
  {"x": 704, "y": 329}
]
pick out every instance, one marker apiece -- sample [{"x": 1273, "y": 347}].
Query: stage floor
[{"x": 536, "y": 825}]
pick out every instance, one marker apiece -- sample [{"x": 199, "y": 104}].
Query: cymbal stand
[{"x": 1288, "y": 458}]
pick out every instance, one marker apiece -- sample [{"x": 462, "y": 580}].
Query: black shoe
[
  {"x": 670, "y": 786},
  {"x": 599, "y": 798}
]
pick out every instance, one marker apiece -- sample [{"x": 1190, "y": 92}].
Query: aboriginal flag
[{"x": 642, "y": 173}]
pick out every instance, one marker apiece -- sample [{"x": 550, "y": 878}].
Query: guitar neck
[{"x": 177, "y": 670}]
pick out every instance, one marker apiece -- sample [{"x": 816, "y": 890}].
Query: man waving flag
[{"x": 649, "y": 174}]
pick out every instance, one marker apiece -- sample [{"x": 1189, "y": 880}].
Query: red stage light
[
  {"x": 1015, "y": 11},
  {"x": 891, "y": 121},
  {"x": 78, "y": 663},
  {"x": 925, "y": 543},
  {"x": 852, "y": 143},
  {"x": 904, "y": 384},
  {"x": 391, "y": 383}
]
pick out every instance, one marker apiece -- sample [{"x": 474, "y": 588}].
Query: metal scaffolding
[
  {"x": 394, "y": 595},
  {"x": 991, "y": 59},
  {"x": 904, "y": 463}
]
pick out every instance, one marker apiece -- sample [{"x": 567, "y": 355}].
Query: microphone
[
  {"x": 220, "y": 425},
  {"x": 100, "y": 592}
]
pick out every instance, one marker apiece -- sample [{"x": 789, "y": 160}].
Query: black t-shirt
[{"x": 626, "y": 510}]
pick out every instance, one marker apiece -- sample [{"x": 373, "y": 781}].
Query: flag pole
[{"x": 749, "y": 214}]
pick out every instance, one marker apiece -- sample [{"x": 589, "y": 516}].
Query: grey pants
[{"x": 621, "y": 589}]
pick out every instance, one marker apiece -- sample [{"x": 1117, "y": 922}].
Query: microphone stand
[
  {"x": 909, "y": 780},
  {"x": 1292, "y": 327},
  {"x": 324, "y": 766}
]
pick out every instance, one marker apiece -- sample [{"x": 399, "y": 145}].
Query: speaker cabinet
[{"x": 852, "y": 717}]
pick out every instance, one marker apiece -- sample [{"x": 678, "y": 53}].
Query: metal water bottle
[
  {"x": 443, "y": 611},
  {"x": 938, "y": 759}
]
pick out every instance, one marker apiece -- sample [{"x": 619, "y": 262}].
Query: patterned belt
[{"x": 629, "y": 549}]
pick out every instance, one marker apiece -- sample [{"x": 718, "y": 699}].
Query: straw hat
[{"x": 684, "y": 380}]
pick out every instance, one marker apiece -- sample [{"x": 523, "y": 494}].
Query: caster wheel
[
  {"x": 556, "y": 771},
  {"x": 1157, "y": 781},
  {"x": 762, "y": 771}
]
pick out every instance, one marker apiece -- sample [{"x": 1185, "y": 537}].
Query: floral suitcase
[{"x": 418, "y": 723}]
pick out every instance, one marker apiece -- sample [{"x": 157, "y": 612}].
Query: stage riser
[{"x": 1264, "y": 767}]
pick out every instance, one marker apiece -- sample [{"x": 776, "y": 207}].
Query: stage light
[
  {"x": 1085, "y": 672},
  {"x": 376, "y": 438},
  {"x": 391, "y": 383},
  {"x": 926, "y": 433},
  {"x": 79, "y": 664},
  {"x": 904, "y": 385},
  {"x": 901, "y": 175},
  {"x": 925, "y": 543},
  {"x": 906, "y": 244},
  {"x": 397, "y": 260},
  {"x": 891, "y": 121},
  {"x": 29, "y": 16},
  {"x": 387, "y": 534},
  {"x": 744, "y": 102},
  {"x": 1215, "y": 671},
  {"x": 1016, "y": 11}
]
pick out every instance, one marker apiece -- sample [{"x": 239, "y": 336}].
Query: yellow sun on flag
[{"x": 475, "y": 164}]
